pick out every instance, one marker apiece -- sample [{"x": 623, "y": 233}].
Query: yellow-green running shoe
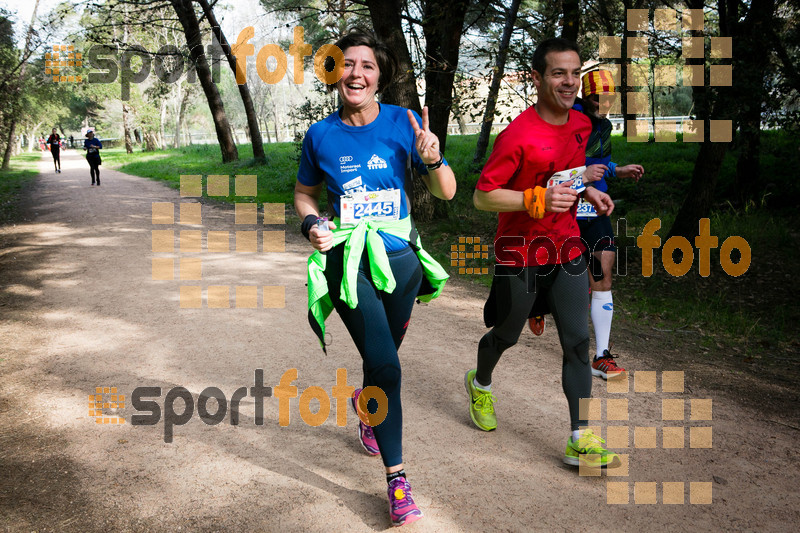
[
  {"x": 589, "y": 452},
  {"x": 481, "y": 404}
]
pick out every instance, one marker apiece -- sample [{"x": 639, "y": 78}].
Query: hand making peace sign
[{"x": 426, "y": 141}]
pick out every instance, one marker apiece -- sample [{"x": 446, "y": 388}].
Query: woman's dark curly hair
[{"x": 387, "y": 60}]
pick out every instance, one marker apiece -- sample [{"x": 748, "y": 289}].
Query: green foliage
[{"x": 13, "y": 183}]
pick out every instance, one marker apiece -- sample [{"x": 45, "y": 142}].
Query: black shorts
[{"x": 597, "y": 233}]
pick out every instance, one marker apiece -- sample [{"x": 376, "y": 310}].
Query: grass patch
[
  {"x": 276, "y": 177},
  {"x": 24, "y": 168}
]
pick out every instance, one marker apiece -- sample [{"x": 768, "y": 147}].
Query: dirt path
[{"x": 79, "y": 309}]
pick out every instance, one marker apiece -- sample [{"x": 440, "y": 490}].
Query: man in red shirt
[{"x": 538, "y": 247}]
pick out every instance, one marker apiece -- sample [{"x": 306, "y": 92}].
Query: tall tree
[
  {"x": 191, "y": 28},
  {"x": 497, "y": 78},
  {"x": 244, "y": 90}
]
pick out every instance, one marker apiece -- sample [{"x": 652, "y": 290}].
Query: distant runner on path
[
  {"x": 54, "y": 142},
  {"x": 92, "y": 147}
]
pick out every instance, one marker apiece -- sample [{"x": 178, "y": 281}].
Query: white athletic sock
[
  {"x": 602, "y": 314},
  {"x": 482, "y": 387},
  {"x": 576, "y": 435}
]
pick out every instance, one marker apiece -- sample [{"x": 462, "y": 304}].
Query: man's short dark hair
[
  {"x": 386, "y": 58},
  {"x": 552, "y": 45}
]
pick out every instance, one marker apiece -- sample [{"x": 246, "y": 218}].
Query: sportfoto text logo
[
  {"x": 149, "y": 411},
  {"x": 113, "y": 64}
]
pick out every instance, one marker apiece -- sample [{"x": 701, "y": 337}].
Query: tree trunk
[
  {"x": 126, "y": 125},
  {"x": 497, "y": 78},
  {"x": 9, "y": 143},
  {"x": 572, "y": 20},
  {"x": 244, "y": 90},
  {"x": 700, "y": 196},
  {"x": 442, "y": 25},
  {"x": 191, "y": 28},
  {"x": 386, "y": 20},
  {"x": 750, "y": 89}
]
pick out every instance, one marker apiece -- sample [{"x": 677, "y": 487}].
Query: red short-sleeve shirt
[{"x": 524, "y": 156}]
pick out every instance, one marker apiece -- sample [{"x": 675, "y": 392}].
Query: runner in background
[
  {"x": 537, "y": 247},
  {"x": 369, "y": 265},
  {"x": 596, "y": 228},
  {"x": 92, "y": 147},
  {"x": 54, "y": 142}
]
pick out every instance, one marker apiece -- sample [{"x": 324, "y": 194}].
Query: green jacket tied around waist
[{"x": 355, "y": 239}]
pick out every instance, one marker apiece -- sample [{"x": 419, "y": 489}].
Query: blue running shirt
[{"x": 353, "y": 159}]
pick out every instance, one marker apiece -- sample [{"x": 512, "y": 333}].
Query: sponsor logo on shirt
[
  {"x": 376, "y": 162},
  {"x": 344, "y": 169}
]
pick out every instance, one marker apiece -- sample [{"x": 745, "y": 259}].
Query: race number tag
[
  {"x": 382, "y": 205},
  {"x": 585, "y": 209},
  {"x": 575, "y": 174}
]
